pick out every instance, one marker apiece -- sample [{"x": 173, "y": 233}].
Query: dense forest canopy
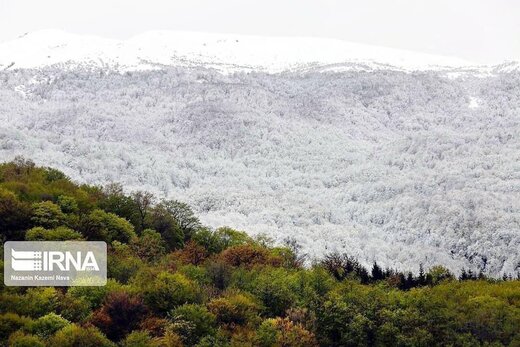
[
  {"x": 175, "y": 282},
  {"x": 398, "y": 168}
]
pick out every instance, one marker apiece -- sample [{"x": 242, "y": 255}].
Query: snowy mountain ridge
[{"x": 225, "y": 52}]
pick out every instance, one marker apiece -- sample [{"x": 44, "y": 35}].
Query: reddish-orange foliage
[
  {"x": 154, "y": 325},
  {"x": 192, "y": 253},
  {"x": 120, "y": 314},
  {"x": 245, "y": 255}
]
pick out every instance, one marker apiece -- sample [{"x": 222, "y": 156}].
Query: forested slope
[
  {"x": 174, "y": 282},
  {"x": 402, "y": 168}
]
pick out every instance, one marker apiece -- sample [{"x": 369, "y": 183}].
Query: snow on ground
[{"x": 226, "y": 52}]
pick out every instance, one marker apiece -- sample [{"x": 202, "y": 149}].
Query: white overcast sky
[{"x": 485, "y": 31}]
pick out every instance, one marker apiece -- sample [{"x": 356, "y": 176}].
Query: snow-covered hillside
[
  {"x": 224, "y": 52},
  {"x": 339, "y": 151}
]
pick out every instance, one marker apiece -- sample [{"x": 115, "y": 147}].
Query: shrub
[
  {"x": 195, "y": 273},
  {"x": 302, "y": 316},
  {"x": 74, "y": 309},
  {"x": 170, "y": 339},
  {"x": 220, "y": 340}
]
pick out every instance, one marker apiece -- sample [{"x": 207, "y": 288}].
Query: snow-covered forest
[{"x": 402, "y": 168}]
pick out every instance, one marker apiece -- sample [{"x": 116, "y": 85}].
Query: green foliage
[
  {"x": 58, "y": 234},
  {"x": 311, "y": 286},
  {"x": 74, "y": 309},
  {"x": 208, "y": 239},
  {"x": 283, "y": 332},
  {"x": 235, "y": 309},
  {"x": 267, "y": 333},
  {"x": 273, "y": 288},
  {"x": 139, "y": 338},
  {"x": 230, "y": 237},
  {"x": 439, "y": 274},
  {"x": 220, "y": 239},
  {"x": 165, "y": 224},
  {"x": 47, "y": 214},
  {"x": 192, "y": 322},
  {"x": 122, "y": 263},
  {"x": 195, "y": 273},
  {"x": 74, "y": 335},
  {"x": 9, "y": 323},
  {"x": 14, "y": 215},
  {"x": 183, "y": 215},
  {"x": 220, "y": 274},
  {"x": 94, "y": 295},
  {"x": 166, "y": 291},
  {"x": 67, "y": 204},
  {"x": 20, "y": 339},
  {"x": 102, "y": 226},
  {"x": 35, "y": 302},
  {"x": 217, "y": 340},
  {"x": 115, "y": 201},
  {"x": 149, "y": 246},
  {"x": 47, "y": 325}
]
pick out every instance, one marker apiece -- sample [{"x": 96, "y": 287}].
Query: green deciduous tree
[
  {"x": 102, "y": 226},
  {"x": 149, "y": 246},
  {"x": 47, "y": 214},
  {"x": 192, "y": 322},
  {"x": 166, "y": 291},
  {"x": 58, "y": 234}
]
